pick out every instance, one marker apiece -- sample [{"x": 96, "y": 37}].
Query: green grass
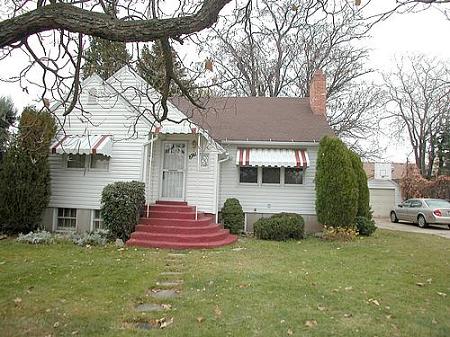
[{"x": 265, "y": 289}]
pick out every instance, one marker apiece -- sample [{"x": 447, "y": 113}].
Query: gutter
[{"x": 269, "y": 142}]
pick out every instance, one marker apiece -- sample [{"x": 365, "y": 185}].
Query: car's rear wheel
[
  {"x": 421, "y": 221},
  {"x": 394, "y": 217}
]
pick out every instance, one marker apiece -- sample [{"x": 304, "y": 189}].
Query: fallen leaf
[
  {"x": 17, "y": 300},
  {"x": 348, "y": 288},
  {"x": 200, "y": 319},
  {"x": 56, "y": 325},
  {"x": 75, "y": 332},
  {"x": 164, "y": 322},
  {"x": 441, "y": 294},
  {"x": 217, "y": 311},
  {"x": 320, "y": 308},
  {"x": 429, "y": 280},
  {"x": 348, "y": 315},
  {"x": 282, "y": 321},
  {"x": 290, "y": 332},
  {"x": 388, "y": 316},
  {"x": 373, "y": 301},
  {"x": 420, "y": 284},
  {"x": 166, "y": 306},
  {"x": 311, "y": 323},
  {"x": 433, "y": 321}
]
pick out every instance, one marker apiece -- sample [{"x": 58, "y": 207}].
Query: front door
[{"x": 174, "y": 170}]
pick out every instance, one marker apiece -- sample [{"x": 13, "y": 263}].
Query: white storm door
[{"x": 174, "y": 170}]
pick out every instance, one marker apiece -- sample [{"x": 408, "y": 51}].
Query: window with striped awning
[
  {"x": 87, "y": 144},
  {"x": 272, "y": 157}
]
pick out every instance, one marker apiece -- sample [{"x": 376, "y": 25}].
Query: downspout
[
  {"x": 148, "y": 166},
  {"x": 198, "y": 169},
  {"x": 227, "y": 157}
]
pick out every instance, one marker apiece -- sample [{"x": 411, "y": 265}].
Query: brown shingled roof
[{"x": 257, "y": 118}]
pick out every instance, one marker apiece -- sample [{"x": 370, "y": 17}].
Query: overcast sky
[{"x": 425, "y": 32}]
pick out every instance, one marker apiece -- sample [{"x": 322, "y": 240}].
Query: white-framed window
[
  {"x": 99, "y": 162},
  {"x": 271, "y": 175},
  {"x": 76, "y": 161},
  {"x": 293, "y": 176},
  {"x": 248, "y": 175},
  {"x": 66, "y": 218},
  {"x": 97, "y": 220},
  {"x": 204, "y": 160}
]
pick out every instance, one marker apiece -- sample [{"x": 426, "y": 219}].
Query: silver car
[{"x": 423, "y": 212}]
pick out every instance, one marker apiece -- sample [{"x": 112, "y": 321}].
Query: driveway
[{"x": 439, "y": 230}]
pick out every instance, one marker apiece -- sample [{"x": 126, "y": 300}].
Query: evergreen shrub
[
  {"x": 233, "y": 216},
  {"x": 365, "y": 226},
  {"x": 25, "y": 173},
  {"x": 121, "y": 206},
  {"x": 336, "y": 184},
  {"x": 280, "y": 227}
]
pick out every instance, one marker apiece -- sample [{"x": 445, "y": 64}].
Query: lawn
[{"x": 392, "y": 284}]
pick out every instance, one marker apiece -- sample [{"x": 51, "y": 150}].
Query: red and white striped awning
[
  {"x": 272, "y": 157},
  {"x": 101, "y": 144}
]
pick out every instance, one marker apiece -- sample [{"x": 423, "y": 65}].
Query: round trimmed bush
[
  {"x": 365, "y": 226},
  {"x": 233, "y": 216},
  {"x": 121, "y": 204},
  {"x": 280, "y": 227}
]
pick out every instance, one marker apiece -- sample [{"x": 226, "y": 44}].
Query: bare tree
[
  {"x": 418, "y": 102},
  {"x": 276, "y": 50},
  {"x": 53, "y": 34}
]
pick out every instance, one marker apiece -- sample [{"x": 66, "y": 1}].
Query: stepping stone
[
  {"x": 150, "y": 307},
  {"x": 163, "y": 293},
  {"x": 173, "y": 283}
]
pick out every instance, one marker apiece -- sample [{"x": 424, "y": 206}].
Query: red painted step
[
  {"x": 201, "y": 221},
  {"x": 181, "y": 245},
  {"x": 166, "y": 237},
  {"x": 210, "y": 228},
  {"x": 173, "y": 224},
  {"x": 172, "y": 208},
  {"x": 163, "y": 202}
]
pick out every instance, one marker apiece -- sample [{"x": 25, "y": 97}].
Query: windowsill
[
  {"x": 98, "y": 170},
  {"x": 249, "y": 184},
  {"x": 65, "y": 229},
  {"x": 271, "y": 184},
  {"x": 75, "y": 168}
]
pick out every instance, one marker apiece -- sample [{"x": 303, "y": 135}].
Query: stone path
[{"x": 168, "y": 286}]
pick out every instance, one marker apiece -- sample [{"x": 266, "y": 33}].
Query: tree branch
[{"x": 76, "y": 20}]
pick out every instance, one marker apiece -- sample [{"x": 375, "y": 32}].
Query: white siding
[
  {"x": 200, "y": 183},
  {"x": 81, "y": 188},
  {"x": 268, "y": 198}
]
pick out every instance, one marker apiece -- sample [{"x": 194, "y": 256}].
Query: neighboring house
[
  {"x": 260, "y": 150},
  {"x": 384, "y": 186}
]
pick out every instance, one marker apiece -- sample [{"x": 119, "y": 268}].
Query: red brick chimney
[{"x": 318, "y": 93}]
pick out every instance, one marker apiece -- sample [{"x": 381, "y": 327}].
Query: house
[
  {"x": 259, "y": 150},
  {"x": 384, "y": 186}
]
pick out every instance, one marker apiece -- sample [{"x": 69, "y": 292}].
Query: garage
[{"x": 382, "y": 200}]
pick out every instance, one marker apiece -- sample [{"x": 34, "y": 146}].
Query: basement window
[
  {"x": 67, "y": 218},
  {"x": 97, "y": 220}
]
